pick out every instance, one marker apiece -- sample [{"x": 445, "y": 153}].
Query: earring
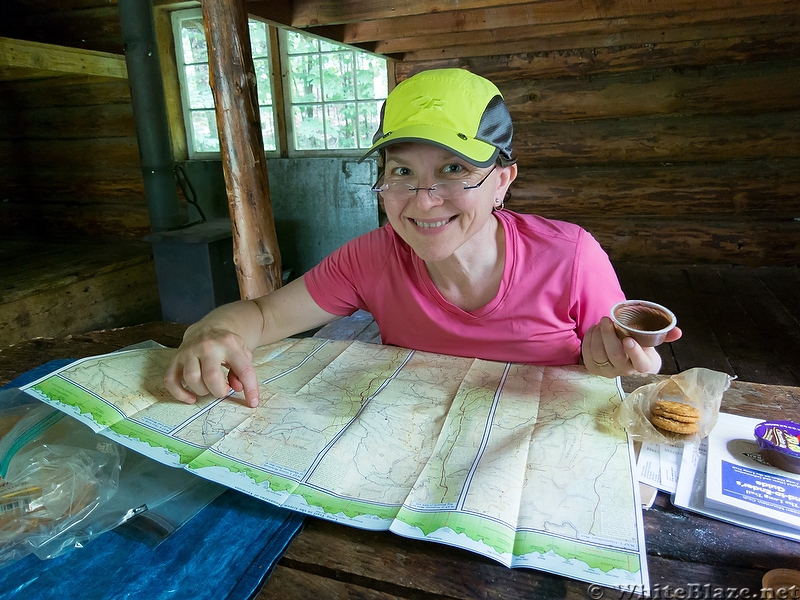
[{"x": 498, "y": 204}]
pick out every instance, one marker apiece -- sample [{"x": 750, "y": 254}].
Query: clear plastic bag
[
  {"x": 50, "y": 490},
  {"x": 698, "y": 387},
  {"x": 61, "y": 485}
]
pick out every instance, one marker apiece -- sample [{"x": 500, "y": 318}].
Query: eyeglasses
[{"x": 396, "y": 190}]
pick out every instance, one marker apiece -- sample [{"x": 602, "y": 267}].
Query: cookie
[
  {"x": 674, "y": 426},
  {"x": 658, "y": 411},
  {"x": 678, "y": 409}
]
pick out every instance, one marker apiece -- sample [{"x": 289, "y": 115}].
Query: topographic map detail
[{"x": 517, "y": 462}]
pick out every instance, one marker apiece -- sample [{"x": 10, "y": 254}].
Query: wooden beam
[
  {"x": 560, "y": 17},
  {"x": 599, "y": 33},
  {"x": 233, "y": 82},
  {"x": 20, "y": 59},
  {"x": 169, "y": 75},
  {"x": 307, "y": 13},
  {"x": 275, "y": 11},
  {"x": 522, "y": 64}
]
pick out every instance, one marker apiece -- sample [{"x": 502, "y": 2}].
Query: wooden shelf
[{"x": 20, "y": 59}]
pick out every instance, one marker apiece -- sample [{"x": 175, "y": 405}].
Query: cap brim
[{"x": 472, "y": 150}]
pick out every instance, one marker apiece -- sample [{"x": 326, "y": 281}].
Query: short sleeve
[
  {"x": 340, "y": 283},
  {"x": 595, "y": 285}
]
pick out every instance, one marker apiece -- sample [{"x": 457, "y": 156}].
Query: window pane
[
  {"x": 259, "y": 39},
  {"x": 262, "y": 80},
  {"x": 298, "y": 43},
  {"x": 368, "y": 121},
  {"x": 329, "y": 47},
  {"x": 340, "y": 124},
  {"x": 268, "y": 128},
  {"x": 193, "y": 41},
  {"x": 371, "y": 78},
  {"x": 204, "y": 126},
  {"x": 308, "y": 130},
  {"x": 304, "y": 75},
  {"x": 199, "y": 92},
  {"x": 196, "y": 95},
  {"x": 337, "y": 73}
]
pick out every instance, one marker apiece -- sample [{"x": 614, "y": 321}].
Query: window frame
[
  {"x": 279, "y": 74},
  {"x": 288, "y": 105},
  {"x": 186, "y": 111}
]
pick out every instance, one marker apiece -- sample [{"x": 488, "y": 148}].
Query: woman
[{"x": 452, "y": 272}]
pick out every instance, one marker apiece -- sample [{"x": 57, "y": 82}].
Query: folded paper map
[{"x": 520, "y": 463}]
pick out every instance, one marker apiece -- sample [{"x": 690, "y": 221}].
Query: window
[
  {"x": 331, "y": 100},
  {"x": 191, "y": 54},
  {"x": 334, "y": 94}
]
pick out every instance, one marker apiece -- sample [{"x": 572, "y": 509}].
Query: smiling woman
[{"x": 452, "y": 272}]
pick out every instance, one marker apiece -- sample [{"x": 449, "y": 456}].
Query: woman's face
[{"x": 434, "y": 227}]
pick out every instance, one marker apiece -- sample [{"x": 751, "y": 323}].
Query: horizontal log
[
  {"x": 24, "y": 59},
  {"x": 286, "y": 583},
  {"x": 116, "y": 154},
  {"x": 600, "y": 33},
  {"x": 68, "y": 186},
  {"x": 123, "y": 296},
  {"x": 71, "y": 122},
  {"x": 59, "y": 264},
  {"x": 705, "y": 138},
  {"x": 102, "y": 220},
  {"x": 95, "y": 29},
  {"x": 736, "y": 89},
  {"x": 538, "y": 20},
  {"x": 679, "y": 241},
  {"x": 326, "y": 12},
  {"x": 734, "y": 191},
  {"x": 518, "y": 61},
  {"x": 63, "y": 91},
  {"x": 38, "y": 7}
]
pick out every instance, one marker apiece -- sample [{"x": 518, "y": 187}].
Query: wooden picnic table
[{"x": 689, "y": 555}]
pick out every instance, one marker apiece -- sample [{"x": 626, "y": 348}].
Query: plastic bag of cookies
[{"x": 683, "y": 407}]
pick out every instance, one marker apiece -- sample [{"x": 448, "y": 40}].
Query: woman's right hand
[
  {"x": 212, "y": 360},
  {"x": 216, "y": 352}
]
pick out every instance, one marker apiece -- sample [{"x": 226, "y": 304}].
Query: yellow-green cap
[{"x": 452, "y": 108}]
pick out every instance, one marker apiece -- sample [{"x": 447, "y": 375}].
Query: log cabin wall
[
  {"x": 684, "y": 151},
  {"x": 671, "y": 133},
  {"x": 69, "y": 161},
  {"x": 673, "y": 137},
  {"x": 73, "y": 210}
]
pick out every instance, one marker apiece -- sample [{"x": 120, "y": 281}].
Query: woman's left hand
[{"x": 605, "y": 354}]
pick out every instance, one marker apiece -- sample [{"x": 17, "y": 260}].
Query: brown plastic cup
[
  {"x": 780, "y": 583},
  {"x": 646, "y": 322}
]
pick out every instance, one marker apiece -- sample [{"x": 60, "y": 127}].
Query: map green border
[
  {"x": 522, "y": 542},
  {"x": 329, "y": 503},
  {"x": 58, "y": 389}
]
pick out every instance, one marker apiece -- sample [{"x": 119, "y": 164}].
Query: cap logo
[{"x": 426, "y": 102}]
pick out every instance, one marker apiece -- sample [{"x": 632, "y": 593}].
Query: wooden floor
[{"x": 742, "y": 321}]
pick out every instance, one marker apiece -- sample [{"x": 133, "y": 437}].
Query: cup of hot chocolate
[{"x": 646, "y": 322}]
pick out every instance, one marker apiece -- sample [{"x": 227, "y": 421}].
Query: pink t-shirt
[{"x": 557, "y": 282}]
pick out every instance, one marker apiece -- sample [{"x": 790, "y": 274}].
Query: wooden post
[{"x": 233, "y": 81}]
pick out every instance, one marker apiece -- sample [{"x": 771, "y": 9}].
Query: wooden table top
[{"x": 687, "y": 553}]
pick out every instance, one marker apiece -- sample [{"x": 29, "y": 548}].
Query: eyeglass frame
[{"x": 416, "y": 190}]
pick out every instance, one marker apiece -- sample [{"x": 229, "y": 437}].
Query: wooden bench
[{"x": 53, "y": 289}]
